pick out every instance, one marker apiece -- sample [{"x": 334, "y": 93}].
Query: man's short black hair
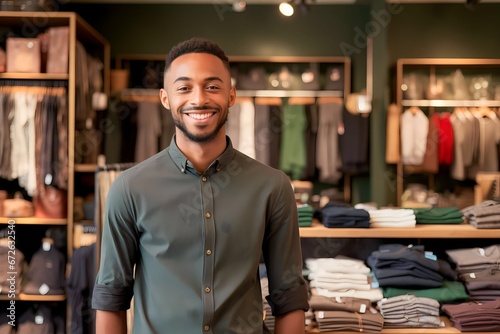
[{"x": 195, "y": 45}]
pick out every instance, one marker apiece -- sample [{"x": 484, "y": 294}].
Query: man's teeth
[{"x": 200, "y": 116}]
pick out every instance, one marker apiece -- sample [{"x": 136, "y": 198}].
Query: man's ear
[
  {"x": 232, "y": 96},
  {"x": 164, "y": 99}
]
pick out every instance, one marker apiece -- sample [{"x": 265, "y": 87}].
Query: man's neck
[{"x": 201, "y": 155}]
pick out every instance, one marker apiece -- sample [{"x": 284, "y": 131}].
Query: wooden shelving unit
[
  {"x": 83, "y": 32},
  {"x": 91, "y": 39},
  {"x": 34, "y": 221},
  {"x": 85, "y": 168},
  {"x": 424, "y": 231},
  {"x": 432, "y": 68},
  {"x": 36, "y": 298},
  {"x": 443, "y": 330}
]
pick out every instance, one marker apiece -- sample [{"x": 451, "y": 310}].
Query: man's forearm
[
  {"x": 290, "y": 323},
  {"x": 111, "y": 322}
]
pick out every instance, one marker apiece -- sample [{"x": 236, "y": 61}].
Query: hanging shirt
[
  {"x": 414, "y": 128},
  {"x": 293, "y": 147},
  {"x": 247, "y": 128},
  {"x": 328, "y": 158}
]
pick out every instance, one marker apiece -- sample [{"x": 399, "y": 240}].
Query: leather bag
[
  {"x": 17, "y": 207},
  {"x": 51, "y": 202},
  {"x": 23, "y": 55},
  {"x": 58, "y": 50}
]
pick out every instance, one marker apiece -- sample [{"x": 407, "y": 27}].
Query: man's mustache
[{"x": 200, "y": 108}]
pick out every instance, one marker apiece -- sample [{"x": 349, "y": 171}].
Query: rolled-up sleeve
[
  {"x": 113, "y": 290},
  {"x": 282, "y": 254}
]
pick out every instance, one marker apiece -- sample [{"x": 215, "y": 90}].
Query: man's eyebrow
[
  {"x": 182, "y": 79},
  {"x": 206, "y": 79},
  {"x": 214, "y": 79}
]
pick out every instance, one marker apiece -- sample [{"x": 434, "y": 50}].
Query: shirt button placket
[{"x": 209, "y": 244}]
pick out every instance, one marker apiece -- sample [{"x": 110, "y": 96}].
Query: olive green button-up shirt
[{"x": 196, "y": 241}]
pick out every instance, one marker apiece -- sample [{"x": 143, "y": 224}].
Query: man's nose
[{"x": 199, "y": 97}]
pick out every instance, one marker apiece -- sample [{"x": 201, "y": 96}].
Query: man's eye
[
  {"x": 183, "y": 88},
  {"x": 212, "y": 87}
]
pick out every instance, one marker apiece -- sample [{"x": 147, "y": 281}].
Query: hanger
[
  {"x": 459, "y": 112},
  {"x": 297, "y": 100},
  {"x": 53, "y": 91},
  {"x": 414, "y": 110},
  {"x": 486, "y": 112},
  {"x": 269, "y": 101}
]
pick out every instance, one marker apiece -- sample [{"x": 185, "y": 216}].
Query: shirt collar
[{"x": 218, "y": 164}]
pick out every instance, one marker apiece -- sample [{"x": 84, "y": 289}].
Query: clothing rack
[
  {"x": 41, "y": 90},
  {"x": 115, "y": 167},
  {"x": 111, "y": 171},
  {"x": 295, "y": 100},
  {"x": 34, "y": 83}
]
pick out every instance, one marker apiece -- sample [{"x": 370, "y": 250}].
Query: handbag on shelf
[
  {"x": 17, "y": 207},
  {"x": 58, "y": 50},
  {"x": 50, "y": 202},
  {"x": 23, "y": 55}
]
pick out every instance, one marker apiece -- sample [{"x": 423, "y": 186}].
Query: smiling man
[{"x": 195, "y": 220}]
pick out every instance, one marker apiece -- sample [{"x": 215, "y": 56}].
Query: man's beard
[{"x": 199, "y": 138}]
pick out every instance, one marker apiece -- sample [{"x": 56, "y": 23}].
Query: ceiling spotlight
[
  {"x": 239, "y": 6},
  {"x": 286, "y": 8}
]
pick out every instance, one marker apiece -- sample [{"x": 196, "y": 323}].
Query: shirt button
[
  {"x": 204, "y": 179},
  {"x": 208, "y": 215},
  {"x": 206, "y": 328},
  {"x": 218, "y": 169},
  {"x": 207, "y": 289},
  {"x": 209, "y": 252}
]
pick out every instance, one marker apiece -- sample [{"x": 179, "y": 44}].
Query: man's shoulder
[{"x": 157, "y": 161}]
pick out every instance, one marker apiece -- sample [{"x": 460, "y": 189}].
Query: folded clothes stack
[
  {"x": 483, "y": 215},
  {"x": 450, "y": 215},
  {"x": 305, "y": 212},
  {"x": 342, "y": 277},
  {"x": 392, "y": 218},
  {"x": 410, "y": 311},
  {"x": 475, "y": 317}
]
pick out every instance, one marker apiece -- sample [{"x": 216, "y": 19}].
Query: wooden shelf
[
  {"x": 431, "y": 231},
  {"x": 34, "y": 76},
  {"x": 447, "y": 329},
  {"x": 36, "y": 298},
  {"x": 450, "y": 103},
  {"x": 34, "y": 221},
  {"x": 85, "y": 168}
]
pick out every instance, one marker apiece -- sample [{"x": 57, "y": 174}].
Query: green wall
[
  {"x": 260, "y": 30},
  {"x": 406, "y": 30},
  {"x": 446, "y": 31}
]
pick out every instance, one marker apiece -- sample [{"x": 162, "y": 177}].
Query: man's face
[{"x": 198, "y": 92}]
